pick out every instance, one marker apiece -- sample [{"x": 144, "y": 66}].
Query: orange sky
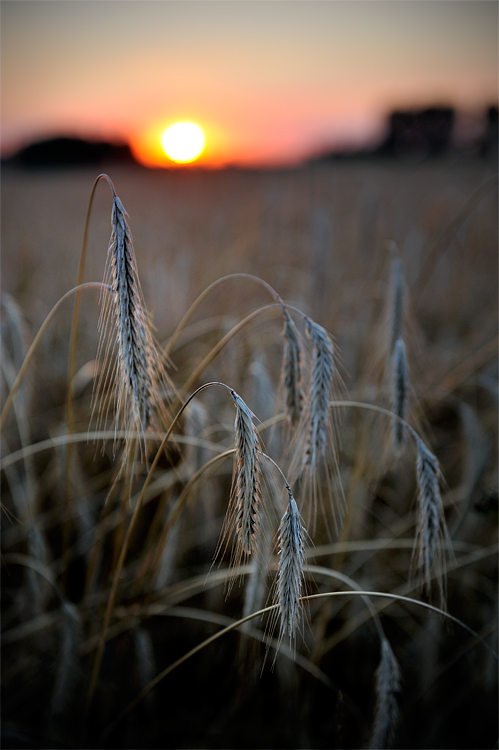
[{"x": 270, "y": 82}]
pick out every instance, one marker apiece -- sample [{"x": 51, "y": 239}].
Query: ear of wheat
[
  {"x": 387, "y": 689},
  {"x": 400, "y": 391},
  {"x": 291, "y": 564},
  {"x": 133, "y": 383},
  {"x": 248, "y": 493},
  {"x": 314, "y": 462},
  {"x": 432, "y": 533},
  {"x": 243, "y": 518},
  {"x": 319, "y": 415},
  {"x": 292, "y": 376}
]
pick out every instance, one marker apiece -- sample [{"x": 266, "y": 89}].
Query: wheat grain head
[
  {"x": 290, "y": 571},
  {"x": 319, "y": 414},
  {"x": 399, "y": 391},
  {"x": 133, "y": 384},
  {"x": 387, "y": 688},
  {"x": 432, "y": 534},
  {"x": 315, "y": 460},
  {"x": 242, "y": 522},
  {"x": 291, "y": 372}
]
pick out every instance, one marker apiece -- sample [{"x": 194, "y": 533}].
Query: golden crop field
[{"x": 294, "y": 410}]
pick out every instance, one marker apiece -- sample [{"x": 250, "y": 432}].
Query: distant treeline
[
  {"x": 416, "y": 134},
  {"x": 67, "y": 152},
  {"x": 420, "y": 134}
]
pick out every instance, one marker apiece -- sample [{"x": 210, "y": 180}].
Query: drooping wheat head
[
  {"x": 133, "y": 385},
  {"x": 387, "y": 688},
  {"x": 291, "y": 547},
  {"x": 315, "y": 461},
  {"x": 247, "y": 470},
  {"x": 292, "y": 376},
  {"x": 319, "y": 413},
  {"x": 243, "y": 520},
  {"x": 432, "y": 534}
]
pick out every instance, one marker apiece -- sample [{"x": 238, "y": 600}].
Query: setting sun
[{"x": 183, "y": 142}]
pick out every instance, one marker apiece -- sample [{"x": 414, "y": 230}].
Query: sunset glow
[
  {"x": 183, "y": 142},
  {"x": 147, "y": 144},
  {"x": 326, "y": 74}
]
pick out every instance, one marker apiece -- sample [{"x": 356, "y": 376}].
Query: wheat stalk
[
  {"x": 67, "y": 670},
  {"x": 387, "y": 687},
  {"x": 144, "y": 656}
]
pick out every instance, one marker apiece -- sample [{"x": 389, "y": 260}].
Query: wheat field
[{"x": 273, "y": 391}]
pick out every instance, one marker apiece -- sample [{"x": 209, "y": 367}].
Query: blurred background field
[
  {"x": 324, "y": 236},
  {"x": 319, "y": 234}
]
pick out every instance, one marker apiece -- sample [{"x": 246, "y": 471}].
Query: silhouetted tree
[{"x": 66, "y": 151}]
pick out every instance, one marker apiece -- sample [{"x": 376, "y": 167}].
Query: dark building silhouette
[
  {"x": 64, "y": 151},
  {"x": 414, "y": 134},
  {"x": 489, "y": 144},
  {"x": 419, "y": 133}
]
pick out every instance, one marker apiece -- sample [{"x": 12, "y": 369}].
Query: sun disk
[{"x": 183, "y": 142}]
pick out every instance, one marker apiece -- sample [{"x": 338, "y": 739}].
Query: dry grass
[{"x": 111, "y": 596}]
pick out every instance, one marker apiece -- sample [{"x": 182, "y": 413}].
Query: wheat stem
[
  {"x": 174, "y": 337},
  {"x": 126, "y": 541}
]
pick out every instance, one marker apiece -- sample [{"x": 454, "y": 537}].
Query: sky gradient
[{"x": 270, "y": 81}]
